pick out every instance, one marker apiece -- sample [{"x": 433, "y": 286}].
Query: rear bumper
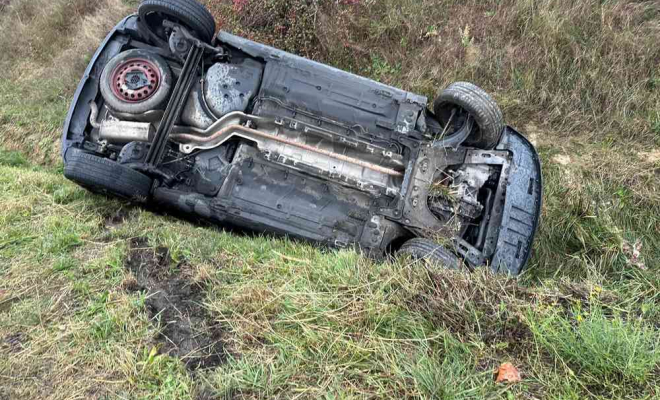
[
  {"x": 77, "y": 118},
  {"x": 522, "y": 205}
]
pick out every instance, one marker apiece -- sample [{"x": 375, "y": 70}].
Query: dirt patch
[
  {"x": 473, "y": 55},
  {"x": 175, "y": 304},
  {"x": 535, "y": 135},
  {"x": 13, "y": 343},
  {"x": 115, "y": 219}
]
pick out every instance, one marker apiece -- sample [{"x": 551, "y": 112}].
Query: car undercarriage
[{"x": 245, "y": 135}]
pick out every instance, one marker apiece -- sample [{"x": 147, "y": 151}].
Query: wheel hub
[{"x": 135, "y": 80}]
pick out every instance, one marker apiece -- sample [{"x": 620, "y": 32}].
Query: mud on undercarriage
[{"x": 250, "y": 136}]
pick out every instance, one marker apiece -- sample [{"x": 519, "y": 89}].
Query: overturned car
[{"x": 223, "y": 128}]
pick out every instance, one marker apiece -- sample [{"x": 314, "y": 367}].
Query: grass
[
  {"x": 46, "y": 47},
  {"x": 81, "y": 275},
  {"x": 601, "y": 346}
]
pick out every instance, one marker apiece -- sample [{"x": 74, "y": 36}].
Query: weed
[
  {"x": 466, "y": 39},
  {"x": 380, "y": 68},
  {"x": 655, "y": 123},
  {"x": 600, "y": 348},
  {"x": 445, "y": 373},
  {"x": 12, "y": 159}
]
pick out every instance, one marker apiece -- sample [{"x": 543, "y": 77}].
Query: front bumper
[{"x": 521, "y": 209}]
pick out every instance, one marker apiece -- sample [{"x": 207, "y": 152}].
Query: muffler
[
  {"x": 126, "y": 131},
  {"x": 115, "y": 131}
]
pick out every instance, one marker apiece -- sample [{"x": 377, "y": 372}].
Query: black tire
[
  {"x": 470, "y": 99},
  {"x": 188, "y": 13},
  {"x": 425, "y": 249},
  {"x": 157, "y": 100},
  {"x": 104, "y": 176}
]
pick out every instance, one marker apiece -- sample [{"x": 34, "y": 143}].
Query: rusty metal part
[
  {"x": 148, "y": 116},
  {"x": 94, "y": 114},
  {"x": 227, "y": 132}
]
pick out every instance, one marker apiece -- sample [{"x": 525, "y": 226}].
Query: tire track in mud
[{"x": 175, "y": 305}]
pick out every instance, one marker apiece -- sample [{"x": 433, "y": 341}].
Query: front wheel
[
  {"x": 428, "y": 250},
  {"x": 465, "y": 105}
]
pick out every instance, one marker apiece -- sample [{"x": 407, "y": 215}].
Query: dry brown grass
[
  {"x": 38, "y": 32},
  {"x": 586, "y": 68},
  {"x": 45, "y": 46}
]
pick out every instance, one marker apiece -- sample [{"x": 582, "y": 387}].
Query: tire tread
[
  {"x": 426, "y": 249},
  {"x": 481, "y": 106},
  {"x": 199, "y": 17},
  {"x": 102, "y": 174}
]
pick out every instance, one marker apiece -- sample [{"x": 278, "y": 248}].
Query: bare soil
[
  {"x": 115, "y": 219},
  {"x": 186, "y": 329},
  {"x": 13, "y": 343}
]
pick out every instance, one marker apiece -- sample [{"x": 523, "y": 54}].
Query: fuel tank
[{"x": 224, "y": 88}]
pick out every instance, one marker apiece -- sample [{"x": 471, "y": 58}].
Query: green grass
[
  {"x": 297, "y": 321},
  {"x": 601, "y": 346}
]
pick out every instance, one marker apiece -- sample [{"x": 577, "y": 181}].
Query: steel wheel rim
[{"x": 135, "y": 80}]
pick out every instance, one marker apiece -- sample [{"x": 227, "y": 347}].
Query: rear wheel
[
  {"x": 189, "y": 13},
  {"x": 104, "y": 176},
  {"x": 425, "y": 249},
  {"x": 464, "y": 103}
]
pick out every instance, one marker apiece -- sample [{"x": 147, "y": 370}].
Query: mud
[
  {"x": 13, "y": 343},
  {"x": 115, "y": 219},
  {"x": 176, "y": 306}
]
